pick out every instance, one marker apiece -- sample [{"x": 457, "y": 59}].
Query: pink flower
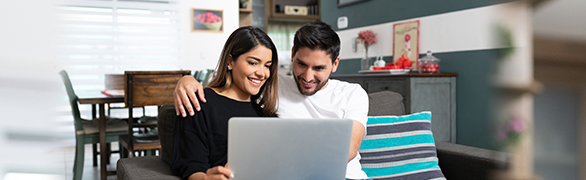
[
  {"x": 367, "y": 37},
  {"x": 407, "y": 37},
  {"x": 517, "y": 125}
]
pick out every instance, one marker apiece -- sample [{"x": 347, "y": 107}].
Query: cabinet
[
  {"x": 274, "y": 10},
  {"x": 245, "y": 14},
  {"x": 421, "y": 92}
]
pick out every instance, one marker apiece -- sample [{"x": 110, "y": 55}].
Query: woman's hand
[
  {"x": 219, "y": 172},
  {"x": 185, "y": 92},
  {"x": 215, "y": 173}
]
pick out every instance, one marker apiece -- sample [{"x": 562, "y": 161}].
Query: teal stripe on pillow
[
  {"x": 425, "y": 115},
  {"x": 399, "y": 141},
  {"x": 374, "y": 172},
  {"x": 396, "y": 136}
]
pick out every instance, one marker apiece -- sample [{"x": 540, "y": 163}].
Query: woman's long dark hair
[{"x": 241, "y": 41}]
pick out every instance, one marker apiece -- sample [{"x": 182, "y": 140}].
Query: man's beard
[{"x": 319, "y": 85}]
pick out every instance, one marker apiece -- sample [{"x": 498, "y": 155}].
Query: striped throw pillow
[{"x": 400, "y": 147}]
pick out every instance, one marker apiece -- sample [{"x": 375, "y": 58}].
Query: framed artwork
[
  {"x": 207, "y": 20},
  {"x": 406, "y": 41},
  {"x": 342, "y": 3}
]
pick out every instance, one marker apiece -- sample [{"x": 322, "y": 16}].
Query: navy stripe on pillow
[{"x": 400, "y": 147}]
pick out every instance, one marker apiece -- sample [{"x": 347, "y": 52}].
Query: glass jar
[{"x": 428, "y": 64}]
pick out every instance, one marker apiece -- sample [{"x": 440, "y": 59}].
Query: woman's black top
[{"x": 201, "y": 141}]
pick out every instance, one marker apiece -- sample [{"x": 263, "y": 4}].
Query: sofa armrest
[
  {"x": 144, "y": 168},
  {"x": 465, "y": 162}
]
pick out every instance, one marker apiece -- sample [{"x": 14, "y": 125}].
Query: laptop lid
[{"x": 276, "y": 148}]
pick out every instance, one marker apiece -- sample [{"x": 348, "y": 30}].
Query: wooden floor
[{"x": 89, "y": 171}]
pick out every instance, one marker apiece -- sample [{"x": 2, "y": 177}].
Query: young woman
[{"x": 245, "y": 86}]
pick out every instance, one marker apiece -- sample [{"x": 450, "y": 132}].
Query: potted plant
[{"x": 243, "y": 3}]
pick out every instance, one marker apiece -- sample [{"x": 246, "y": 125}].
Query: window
[{"x": 99, "y": 37}]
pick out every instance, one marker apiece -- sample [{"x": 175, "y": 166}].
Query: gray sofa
[{"x": 456, "y": 161}]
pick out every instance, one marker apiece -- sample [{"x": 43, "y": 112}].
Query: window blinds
[{"x": 100, "y": 37}]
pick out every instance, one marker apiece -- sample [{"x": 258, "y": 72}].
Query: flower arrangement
[
  {"x": 367, "y": 37},
  {"x": 509, "y": 133}
]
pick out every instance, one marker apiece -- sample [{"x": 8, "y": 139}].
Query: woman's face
[{"x": 250, "y": 71}]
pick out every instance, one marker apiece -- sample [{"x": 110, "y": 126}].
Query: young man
[{"x": 309, "y": 93}]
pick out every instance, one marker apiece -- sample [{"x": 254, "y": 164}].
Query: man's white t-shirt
[{"x": 338, "y": 99}]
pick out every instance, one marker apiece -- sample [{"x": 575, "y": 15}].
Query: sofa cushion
[
  {"x": 400, "y": 147},
  {"x": 144, "y": 168},
  {"x": 166, "y": 128},
  {"x": 385, "y": 103}
]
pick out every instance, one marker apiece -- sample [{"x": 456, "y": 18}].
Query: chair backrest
[
  {"x": 147, "y": 88},
  {"x": 207, "y": 77},
  {"x": 114, "y": 81},
  {"x": 72, "y": 100},
  {"x": 166, "y": 127},
  {"x": 196, "y": 74}
]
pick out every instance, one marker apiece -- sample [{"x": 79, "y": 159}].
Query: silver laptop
[{"x": 295, "y": 149}]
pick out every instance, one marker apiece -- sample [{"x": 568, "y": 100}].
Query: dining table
[
  {"x": 112, "y": 82},
  {"x": 101, "y": 100}
]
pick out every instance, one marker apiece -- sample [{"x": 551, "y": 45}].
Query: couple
[{"x": 247, "y": 85}]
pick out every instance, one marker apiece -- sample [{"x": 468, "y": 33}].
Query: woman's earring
[{"x": 229, "y": 68}]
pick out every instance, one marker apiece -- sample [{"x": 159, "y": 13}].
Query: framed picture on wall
[
  {"x": 406, "y": 41},
  {"x": 342, "y": 3},
  {"x": 207, "y": 20}
]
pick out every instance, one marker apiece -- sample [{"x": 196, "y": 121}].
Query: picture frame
[
  {"x": 406, "y": 41},
  {"x": 207, "y": 20},
  {"x": 343, "y": 3}
]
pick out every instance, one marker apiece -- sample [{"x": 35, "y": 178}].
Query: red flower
[
  {"x": 407, "y": 37},
  {"x": 367, "y": 37}
]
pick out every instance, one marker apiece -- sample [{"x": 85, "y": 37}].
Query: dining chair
[
  {"x": 115, "y": 82},
  {"x": 146, "y": 88},
  {"x": 203, "y": 76},
  {"x": 209, "y": 75},
  {"x": 86, "y": 131}
]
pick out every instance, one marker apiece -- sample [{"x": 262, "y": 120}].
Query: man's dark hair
[{"x": 317, "y": 35}]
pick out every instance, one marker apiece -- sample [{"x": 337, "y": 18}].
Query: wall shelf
[
  {"x": 272, "y": 15},
  {"x": 245, "y": 15},
  {"x": 533, "y": 87},
  {"x": 246, "y": 10},
  {"x": 294, "y": 18}
]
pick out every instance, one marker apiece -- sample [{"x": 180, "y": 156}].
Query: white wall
[
  {"x": 201, "y": 50},
  {"x": 471, "y": 29}
]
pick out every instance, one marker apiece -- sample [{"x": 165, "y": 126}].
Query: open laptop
[{"x": 288, "y": 149}]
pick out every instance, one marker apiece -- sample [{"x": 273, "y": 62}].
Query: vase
[{"x": 365, "y": 63}]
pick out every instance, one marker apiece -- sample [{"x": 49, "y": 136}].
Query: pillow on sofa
[{"x": 400, "y": 147}]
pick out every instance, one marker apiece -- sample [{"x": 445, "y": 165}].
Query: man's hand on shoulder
[{"x": 184, "y": 94}]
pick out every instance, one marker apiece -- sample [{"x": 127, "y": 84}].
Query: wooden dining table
[
  {"x": 101, "y": 100},
  {"x": 112, "y": 82}
]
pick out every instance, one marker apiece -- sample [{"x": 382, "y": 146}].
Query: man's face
[{"x": 312, "y": 69}]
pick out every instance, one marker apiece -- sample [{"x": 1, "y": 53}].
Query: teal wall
[
  {"x": 474, "y": 93},
  {"x": 381, "y": 11}
]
